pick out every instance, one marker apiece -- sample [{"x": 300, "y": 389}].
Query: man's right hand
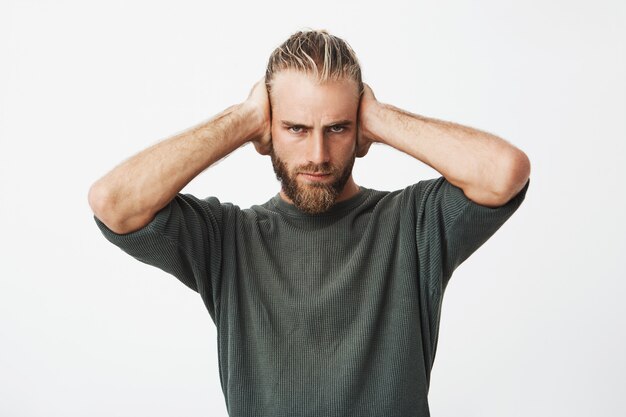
[
  {"x": 129, "y": 196},
  {"x": 258, "y": 101}
]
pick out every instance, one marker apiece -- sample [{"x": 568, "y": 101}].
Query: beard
[{"x": 312, "y": 198}]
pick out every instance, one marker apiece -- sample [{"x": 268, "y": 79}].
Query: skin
[
  {"x": 488, "y": 169},
  {"x": 314, "y": 136}
]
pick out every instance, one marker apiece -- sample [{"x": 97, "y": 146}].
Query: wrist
[{"x": 376, "y": 120}]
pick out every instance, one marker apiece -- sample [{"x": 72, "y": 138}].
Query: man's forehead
[
  {"x": 299, "y": 96},
  {"x": 310, "y": 116}
]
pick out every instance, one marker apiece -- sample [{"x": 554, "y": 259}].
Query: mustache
[{"x": 324, "y": 169}]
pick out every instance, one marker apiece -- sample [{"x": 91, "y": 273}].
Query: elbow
[
  {"x": 516, "y": 171},
  {"x": 106, "y": 208},
  {"x": 97, "y": 198},
  {"x": 505, "y": 182},
  {"x": 100, "y": 202}
]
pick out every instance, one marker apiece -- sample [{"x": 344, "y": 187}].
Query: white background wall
[{"x": 532, "y": 323}]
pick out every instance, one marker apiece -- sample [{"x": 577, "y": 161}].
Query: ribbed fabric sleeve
[
  {"x": 335, "y": 314},
  {"x": 184, "y": 239},
  {"x": 450, "y": 227}
]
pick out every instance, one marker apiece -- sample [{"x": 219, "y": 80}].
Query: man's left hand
[{"x": 368, "y": 106}]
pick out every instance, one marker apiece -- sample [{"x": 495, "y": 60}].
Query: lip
[{"x": 314, "y": 176}]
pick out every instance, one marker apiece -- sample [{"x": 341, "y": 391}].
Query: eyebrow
[{"x": 338, "y": 122}]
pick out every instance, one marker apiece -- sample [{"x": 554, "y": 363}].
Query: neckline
[{"x": 291, "y": 210}]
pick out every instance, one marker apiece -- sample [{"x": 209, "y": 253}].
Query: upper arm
[
  {"x": 182, "y": 239},
  {"x": 451, "y": 226}
]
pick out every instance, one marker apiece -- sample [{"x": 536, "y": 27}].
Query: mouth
[{"x": 315, "y": 176}]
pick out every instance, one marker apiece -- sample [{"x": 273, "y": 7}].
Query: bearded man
[{"x": 327, "y": 297}]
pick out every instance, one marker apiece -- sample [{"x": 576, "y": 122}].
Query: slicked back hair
[{"x": 318, "y": 53}]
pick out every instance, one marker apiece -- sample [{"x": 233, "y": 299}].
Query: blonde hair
[{"x": 318, "y": 53}]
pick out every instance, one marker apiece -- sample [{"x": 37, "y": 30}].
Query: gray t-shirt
[{"x": 335, "y": 314}]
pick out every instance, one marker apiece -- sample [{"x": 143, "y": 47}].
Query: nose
[{"x": 318, "y": 148}]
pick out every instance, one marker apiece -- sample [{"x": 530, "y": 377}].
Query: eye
[
  {"x": 337, "y": 128},
  {"x": 295, "y": 129}
]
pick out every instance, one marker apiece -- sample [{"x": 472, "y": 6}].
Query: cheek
[
  {"x": 285, "y": 146},
  {"x": 283, "y": 149},
  {"x": 347, "y": 146},
  {"x": 278, "y": 142}
]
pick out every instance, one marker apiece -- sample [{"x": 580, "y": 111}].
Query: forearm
[
  {"x": 487, "y": 168},
  {"x": 131, "y": 194}
]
